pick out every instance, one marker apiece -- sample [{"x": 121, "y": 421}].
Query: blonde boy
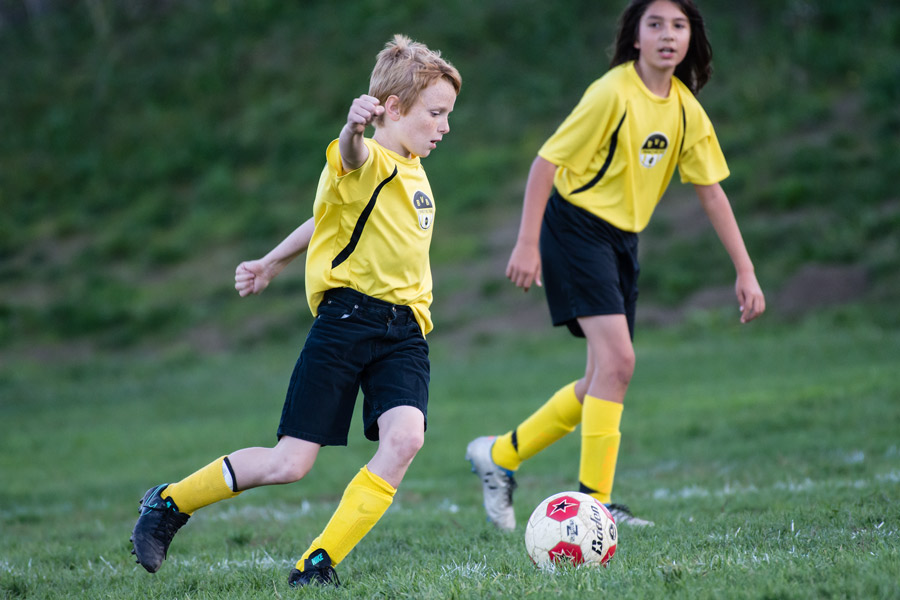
[{"x": 368, "y": 282}]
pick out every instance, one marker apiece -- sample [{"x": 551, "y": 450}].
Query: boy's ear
[{"x": 392, "y": 108}]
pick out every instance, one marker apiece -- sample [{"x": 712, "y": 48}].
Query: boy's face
[
  {"x": 419, "y": 130},
  {"x": 663, "y": 36}
]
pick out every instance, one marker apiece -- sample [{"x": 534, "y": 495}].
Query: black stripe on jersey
[
  {"x": 683, "y": 131},
  {"x": 361, "y": 222},
  {"x": 613, "y": 142}
]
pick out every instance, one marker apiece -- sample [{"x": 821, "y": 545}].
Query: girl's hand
[
  {"x": 750, "y": 297},
  {"x": 251, "y": 277},
  {"x": 524, "y": 267}
]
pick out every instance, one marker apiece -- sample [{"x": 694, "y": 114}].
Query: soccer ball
[{"x": 571, "y": 527}]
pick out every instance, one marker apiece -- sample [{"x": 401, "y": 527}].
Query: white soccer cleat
[
  {"x": 623, "y": 516},
  {"x": 497, "y": 483}
]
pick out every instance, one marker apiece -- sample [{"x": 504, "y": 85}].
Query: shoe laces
[
  {"x": 511, "y": 487},
  {"x": 329, "y": 575},
  {"x": 170, "y": 522},
  {"x": 620, "y": 508},
  {"x": 323, "y": 575}
]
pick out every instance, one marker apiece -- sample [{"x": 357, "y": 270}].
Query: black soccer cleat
[
  {"x": 159, "y": 521},
  {"x": 316, "y": 569}
]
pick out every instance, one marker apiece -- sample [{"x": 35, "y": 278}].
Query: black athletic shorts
[
  {"x": 356, "y": 342},
  {"x": 589, "y": 266}
]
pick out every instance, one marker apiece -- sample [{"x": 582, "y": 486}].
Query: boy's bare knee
[
  {"x": 404, "y": 444},
  {"x": 289, "y": 471},
  {"x": 291, "y": 460},
  {"x": 288, "y": 467},
  {"x": 411, "y": 444}
]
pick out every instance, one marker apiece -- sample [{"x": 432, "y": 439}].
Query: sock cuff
[
  {"x": 227, "y": 464},
  {"x": 569, "y": 390},
  {"x": 505, "y": 451},
  {"x": 201, "y": 488},
  {"x": 374, "y": 482},
  {"x": 568, "y": 407},
  {"x": 600, "y": 416}
]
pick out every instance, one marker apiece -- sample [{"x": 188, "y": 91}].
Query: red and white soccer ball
[{"x": 571, "y": 527}]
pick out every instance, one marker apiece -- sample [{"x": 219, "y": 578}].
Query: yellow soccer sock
[
  {"x": 555, "y": 419},
  {"x": 201, "y": 488},
  {"x": 365, "y": 500},
  {"x": 600, "y": 438}
]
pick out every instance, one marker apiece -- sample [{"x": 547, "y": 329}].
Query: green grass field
[{"x": 768, "y": 455}]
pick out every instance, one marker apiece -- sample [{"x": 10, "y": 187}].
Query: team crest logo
[
  {"x": 424, "y": 209},
  {"x": 653, "y": 149}
]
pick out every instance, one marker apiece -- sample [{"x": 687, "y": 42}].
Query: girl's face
[{"x": 663, "y": 36}]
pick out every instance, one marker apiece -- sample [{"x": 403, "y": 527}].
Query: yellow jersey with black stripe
[
  {"x": 373, "y": 231},
  {"x": 618, "y": 149}
]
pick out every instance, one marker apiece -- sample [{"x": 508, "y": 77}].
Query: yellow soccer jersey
[
  {"x": 373, "y": 231},
  {"x": 618, "y": 149}
]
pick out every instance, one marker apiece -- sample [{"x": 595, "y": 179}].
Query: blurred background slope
[{"x": 148, "y": 147}]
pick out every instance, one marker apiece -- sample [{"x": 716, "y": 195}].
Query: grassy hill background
[{"x": 148, "y": 147}]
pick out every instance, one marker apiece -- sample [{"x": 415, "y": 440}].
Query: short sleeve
[
  {"x": 341, "y": 179},
  {"x": 576, "y": 141},
  {"x": 702, "y": 161},
  {"x": 333, "y": 157}
]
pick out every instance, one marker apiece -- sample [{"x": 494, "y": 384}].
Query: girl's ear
[{"x": 392, "y": 108}]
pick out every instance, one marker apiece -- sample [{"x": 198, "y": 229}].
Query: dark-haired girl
[{"x": 590, "y": 191}]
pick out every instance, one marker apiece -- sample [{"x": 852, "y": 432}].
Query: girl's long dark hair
[{"x": 696, "y": 68}]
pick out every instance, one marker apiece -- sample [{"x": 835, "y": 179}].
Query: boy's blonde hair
[{"x": 404, "y": 68}]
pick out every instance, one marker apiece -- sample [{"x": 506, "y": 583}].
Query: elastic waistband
[
  {"x": 588, "y": 220},
  {"x": 358, "y": 298}
]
